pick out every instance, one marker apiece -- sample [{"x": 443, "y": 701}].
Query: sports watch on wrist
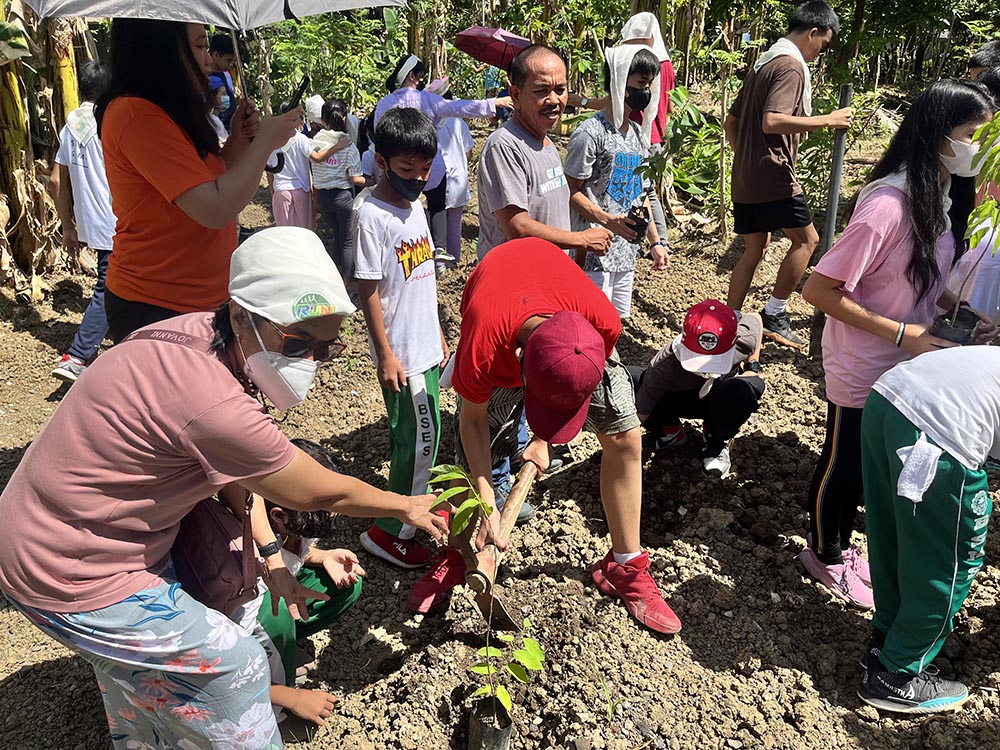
[{"x": 270, "y": 549}]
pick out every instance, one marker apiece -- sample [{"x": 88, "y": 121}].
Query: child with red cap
[
  {"x": 708, "y": 372},
  {"x": 538, "y": 334}
]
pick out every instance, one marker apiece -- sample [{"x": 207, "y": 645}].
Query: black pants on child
[
  {"x": 336, "y": 206},
  {"x": 836, "y": 489},
  {"x": 725, "y": 409}
]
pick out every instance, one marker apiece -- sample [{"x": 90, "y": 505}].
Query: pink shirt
[
  {"x": 871, "y": 257},
  {"x": 151, "y": 428}
]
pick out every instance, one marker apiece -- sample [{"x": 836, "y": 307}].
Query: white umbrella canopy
[{"x": 241, "y": 15}]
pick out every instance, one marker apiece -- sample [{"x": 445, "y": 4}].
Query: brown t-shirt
[{"x": 763, "y": 164}]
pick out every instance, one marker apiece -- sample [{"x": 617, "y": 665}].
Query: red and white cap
[{"x": 708, "y": 341}]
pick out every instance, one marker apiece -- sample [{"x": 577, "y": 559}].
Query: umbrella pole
[{"x": 239, "y": 63}]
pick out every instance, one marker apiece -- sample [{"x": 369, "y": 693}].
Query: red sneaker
[
  {"x": 433, "y": 591},
  {"x": 633, "y": 584},
  {"x": 404, "y": 553}
]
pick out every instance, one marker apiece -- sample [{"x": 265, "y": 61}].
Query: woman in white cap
[
  {"x": 92, "y": 510},
  {"x": 405, "y": 86}
]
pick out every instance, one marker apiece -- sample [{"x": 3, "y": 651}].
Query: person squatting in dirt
[
  {"x": 710, "y": 371},
  {"x": 183, "y": 416}
]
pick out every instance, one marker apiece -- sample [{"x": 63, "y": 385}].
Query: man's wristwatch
[
  {"x": 270, "y": 549},
  {"x": 751, "y": 365},
  {"x": 660, "y": 243},
  {"x": 584, "y": 101}
]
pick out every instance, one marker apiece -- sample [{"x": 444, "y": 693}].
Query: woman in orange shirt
[{"x": 175, "y": 192}]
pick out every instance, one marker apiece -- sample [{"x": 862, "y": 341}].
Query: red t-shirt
[
  {"x": 161, "y": 256},
  {"x": 668, "y": 78},
  {"x": 152, "y": 428},
  {"x": 515, "y": 281}
]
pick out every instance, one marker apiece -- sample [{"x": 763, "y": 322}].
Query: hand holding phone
[{"x": 296, "y": 100}]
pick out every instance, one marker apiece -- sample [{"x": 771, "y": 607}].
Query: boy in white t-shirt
[
  {"x": 79, "y": 186},
  {"x": 394, "y": 266}
]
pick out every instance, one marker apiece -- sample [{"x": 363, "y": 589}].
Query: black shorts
[{"x": 788, "y": 213}]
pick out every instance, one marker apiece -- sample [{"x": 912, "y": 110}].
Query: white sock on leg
[{"x": 775, "y": 306}]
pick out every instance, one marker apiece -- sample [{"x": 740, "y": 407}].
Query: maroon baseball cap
[
  {"x": 563, "y": 363},
  {"x": 708, "y": 341}
]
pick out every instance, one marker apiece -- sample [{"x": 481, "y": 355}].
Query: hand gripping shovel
[{"x": 481, "y": 567}]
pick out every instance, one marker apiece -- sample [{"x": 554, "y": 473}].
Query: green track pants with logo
[
  {"x": 414, "y": 434},
  {"x": 924, "y": 555}
]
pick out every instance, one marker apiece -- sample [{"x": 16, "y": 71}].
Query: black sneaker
[
  {"x": 778, "y": 328},
  {"x": 925, "y": 693},
  {"x": 870, "y": 662}
]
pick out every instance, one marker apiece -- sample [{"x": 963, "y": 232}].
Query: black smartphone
[
  {"x": 638, "y": 217},
  {"x": 297, "y": 99}
]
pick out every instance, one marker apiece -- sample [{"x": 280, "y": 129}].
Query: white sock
[
  {"x": 775, "y": 306},
  {"x": 623, "y": 557}
]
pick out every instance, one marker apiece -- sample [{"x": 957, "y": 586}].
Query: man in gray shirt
[{"x": 522, "y": 188}]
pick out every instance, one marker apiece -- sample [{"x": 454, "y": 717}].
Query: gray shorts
[{"x": 612, "y": 411}]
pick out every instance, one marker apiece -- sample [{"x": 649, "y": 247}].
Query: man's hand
[
  {"x": 444, "y": 348},
  {"x": 390, "y": 373},
  {"x": 342, "y": 566},
  {"x": 504, "y": 102},
  {"x": 283, "y": 585},
  {"x": 661, "y": 257},
  {"x": 620, "y": 225},
  {"x": 421, "y": 516},
  {"x": 539, "y": 453},
  {"x": 840, "y": 119},
  {"x": 71, "y": 241},
  {"x": 595, "y": 240},
  {"x": 489, "y": 532}
]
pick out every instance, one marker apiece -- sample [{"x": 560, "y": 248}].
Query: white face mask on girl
[
  {"x": 960, "y": 164},
  {"x": 284, "y": 380}
]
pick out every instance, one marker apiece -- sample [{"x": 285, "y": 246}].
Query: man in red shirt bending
[{"x": 537, "y": 333}]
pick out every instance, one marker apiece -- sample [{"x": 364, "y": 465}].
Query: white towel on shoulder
[
  {"x": 785, "y": 46},
  {"x": 619, "y": 61}
]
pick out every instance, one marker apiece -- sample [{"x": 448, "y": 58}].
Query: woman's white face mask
[
  {"x": 960, "y": 164},
  {"x": 284, "y": 380}
]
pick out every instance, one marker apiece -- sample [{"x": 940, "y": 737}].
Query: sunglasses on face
[{"x": 298, "y": 347}]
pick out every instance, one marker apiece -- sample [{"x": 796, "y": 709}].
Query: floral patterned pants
[{"x": 173, "y": 674}]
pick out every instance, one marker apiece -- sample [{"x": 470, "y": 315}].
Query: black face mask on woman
[
  {"x": 637, "y": 99},
  {"x": 408, "y": 189}
]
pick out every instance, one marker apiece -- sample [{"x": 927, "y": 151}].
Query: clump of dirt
[{"x": 765, "y": 659}]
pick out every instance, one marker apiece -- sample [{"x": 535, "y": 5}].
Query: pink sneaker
[
  {"x": 855, "y": 559},
  {"x": 633, "y": 584},
  {"x": 841, "y": 580}
]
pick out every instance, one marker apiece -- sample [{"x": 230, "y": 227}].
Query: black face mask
[
  {"x": 637, "y": 99},
  {"x": 407, "y": 189}
]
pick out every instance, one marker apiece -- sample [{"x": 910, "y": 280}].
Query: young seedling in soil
[
  {"x": 511, "y": 659},
  {"x": 472, "y": 508}
]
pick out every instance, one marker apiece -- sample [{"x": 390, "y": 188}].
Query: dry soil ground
[{"x": 765, "y": 659}]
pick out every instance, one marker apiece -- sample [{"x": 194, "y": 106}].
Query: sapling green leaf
[
  {"x": 490, "y": 652},
  {"x": 451, "y": 492},
  {"x": 482, "y": 667},
  {"x": 504, "y": 697},
  {"x": 505, "y": 637},
  {"x": 519, "y": 672},
  {"x": 463, "y": 516},
  {"x": 534, "y": 648},
  {"x": 481, "y": 691},
  {"x": 528, "y": 659}
]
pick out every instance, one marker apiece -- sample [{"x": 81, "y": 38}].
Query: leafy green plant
[
  {"x": 519, "y": 655},
  {"x": 470, "y": 507}
]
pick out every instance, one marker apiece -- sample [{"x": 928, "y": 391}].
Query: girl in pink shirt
[{"x": 879, "y": 285}]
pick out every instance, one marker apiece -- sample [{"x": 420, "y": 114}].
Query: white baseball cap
[{"x": 285, "y": 275}]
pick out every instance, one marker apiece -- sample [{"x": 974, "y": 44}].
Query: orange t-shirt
[{"x": 161, "y": 255}]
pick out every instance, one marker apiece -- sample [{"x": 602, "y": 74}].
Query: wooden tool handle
[{"x": 508, "y": 516}]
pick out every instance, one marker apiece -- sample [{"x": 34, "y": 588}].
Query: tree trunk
[
  {"x": 65, "y": 97},
  {"x": 849, "y": 51}
]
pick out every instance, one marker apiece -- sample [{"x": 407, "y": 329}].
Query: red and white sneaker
[
  {"x": 403, "y": 553},
  {"x": 433, "y": 591},
  {"x": 632, "y": 583}
]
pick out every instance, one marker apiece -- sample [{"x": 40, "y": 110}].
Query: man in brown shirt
[{"x": 765, "y": 124}]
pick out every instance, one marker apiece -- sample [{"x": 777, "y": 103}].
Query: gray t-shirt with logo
[
  {"x": 606, "y": 159},
  {"x": 516, "y": 169}
]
